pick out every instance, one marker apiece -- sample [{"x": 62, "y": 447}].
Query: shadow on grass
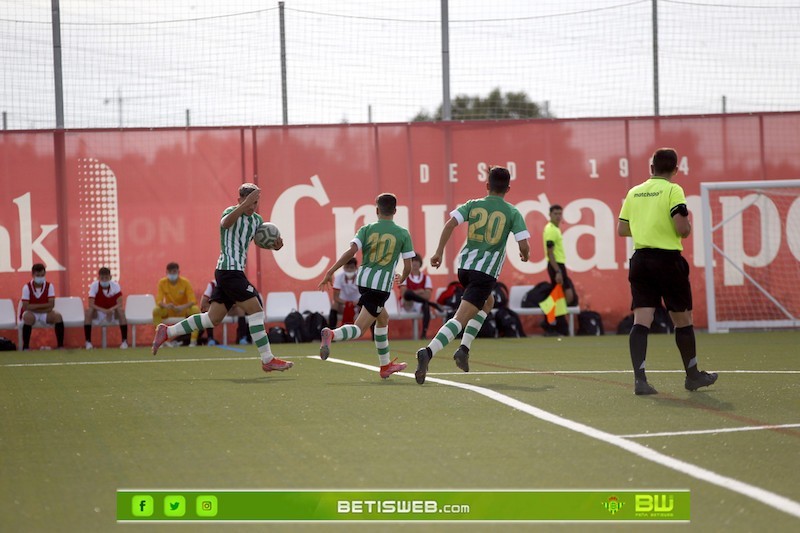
[{"x": 501, "y": 387}]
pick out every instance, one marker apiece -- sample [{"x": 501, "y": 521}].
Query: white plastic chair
[
  {"x": 279, "y": 304},
  {"x": 138, "y": 311},
  {"x": 315, "y": 301},
  {"x": 8, "y": 315}
]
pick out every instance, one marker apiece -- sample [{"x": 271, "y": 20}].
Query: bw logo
[{"x": 659, "y": 503}]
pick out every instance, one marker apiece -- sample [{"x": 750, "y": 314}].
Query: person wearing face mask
[
  {"x": 345, "y": 295},
  {"x": 175, "y": 298},
  {"x": 417, "y": 293},
  {"x": 105, "y": 306},
  {"x": 36, "y": 307}
]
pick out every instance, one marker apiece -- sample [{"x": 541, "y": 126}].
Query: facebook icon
[{"x": 142, "y": 505}]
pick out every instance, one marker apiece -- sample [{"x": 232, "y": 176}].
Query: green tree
[{"x": 497, "y": 105}]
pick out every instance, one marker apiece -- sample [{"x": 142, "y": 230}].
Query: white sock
[
  {"x": 255, "y": 323},
  {"x": 446, "y": 333}
]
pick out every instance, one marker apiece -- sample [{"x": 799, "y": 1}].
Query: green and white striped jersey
[
  {"x": 382, "y": 245},
  {"x": 490, "y": 220},
  {"x": 233, "y": 241}
]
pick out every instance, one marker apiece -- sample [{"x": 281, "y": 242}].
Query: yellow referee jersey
[{"x": 648, "y": 209}]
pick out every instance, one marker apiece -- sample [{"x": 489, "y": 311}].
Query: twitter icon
[{"x": 174, "y": 506}]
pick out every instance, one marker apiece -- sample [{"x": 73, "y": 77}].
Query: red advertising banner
[{"x": 134, "y": 200}]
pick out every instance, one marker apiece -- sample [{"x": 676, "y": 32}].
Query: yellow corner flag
[{"x": 554, "y": 305}]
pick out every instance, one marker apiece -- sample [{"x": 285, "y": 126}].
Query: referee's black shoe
[
  {"x": 701, "y": 379},
  {"x": 642, "y": 387}
]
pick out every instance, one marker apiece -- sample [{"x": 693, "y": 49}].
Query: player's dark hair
[
  {"x": 499, "y": 179},
  {"x": 665, "y": 161},
  {"x": 246, "y": 189},
  {"x": 555, "y": 207},
  {"x": 104, "y": 271},
  {"x": 353, "y": 261},
  {"x": 172, "y": 266},
  {"x": 37, "y": 267},
  {"x": 387, "y": 203},
  {"x": 417, "y": 257}
]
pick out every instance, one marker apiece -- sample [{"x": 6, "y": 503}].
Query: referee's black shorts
[
  {"x": 232, "y": 287},
  {"x": 660, "y": 274},
  {"x": 478, "y": 286},
  {"x": 552, "y": 273}
]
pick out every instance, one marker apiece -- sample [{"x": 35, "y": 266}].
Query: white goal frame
[{"x": 709, "y": 248}]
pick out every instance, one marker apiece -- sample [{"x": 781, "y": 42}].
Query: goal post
[{"x": 751, "y": 242}]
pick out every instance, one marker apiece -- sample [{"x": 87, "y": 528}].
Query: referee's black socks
[
  {"x": 684, "y": 338},
  {"x": 638, "y": 344}
]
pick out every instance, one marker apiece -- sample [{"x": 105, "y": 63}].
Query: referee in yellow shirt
[
  {"x": 175, "y": 299},
  {"x": 655, "y": 215}
]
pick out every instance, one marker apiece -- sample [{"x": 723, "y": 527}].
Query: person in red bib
[
  {"x": 36, "y": 307},
  {"x": 105, "y": 306},
  {"x": 417, "y": 293}
]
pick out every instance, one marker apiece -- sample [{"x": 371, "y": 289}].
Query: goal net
[{"x": 751, "y": 240}]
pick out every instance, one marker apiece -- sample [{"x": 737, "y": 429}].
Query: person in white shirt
[{"x": 345, "y": 295}]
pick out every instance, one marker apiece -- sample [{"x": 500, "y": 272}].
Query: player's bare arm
[
  {"x": 401, "y": 278},
  {"x": 247, "y": 202},
  {"x": 624, "y": 228},
  {"x": 524, "y": 250},
  {"x": 343, "y": 259},
  {"x": 682, "y": 224},
  {"x": 447, "y": 231}
]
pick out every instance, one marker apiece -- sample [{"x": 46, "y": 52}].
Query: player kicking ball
[
  {"x": 382, "y": 244},
  {"x": 238, "y": 226}
]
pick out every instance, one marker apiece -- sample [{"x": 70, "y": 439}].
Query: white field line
[
  {"x": 158, "y": 359},
  {"x": 706, "y": 431},
  {"x": 764, "y": 496}
]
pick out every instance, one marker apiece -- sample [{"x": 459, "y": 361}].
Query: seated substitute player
[
  {"x": 417, "y": 294},
  {"x": 105, "y": 305},
  {"x": 654, "y": 213},
  {"x": 382, "y": 244},
  {"x": 36, "y": 307},
  {"x": 345, "y": 295},
  {"x": 175, "y": 298},
  {"x": 242, "y": 332},
  {"x": 237, "y": 228},
  {"x": 490, "y": 220}
]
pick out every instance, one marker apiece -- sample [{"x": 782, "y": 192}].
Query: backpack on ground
[
  {"x": 625, "y": 325},
  {"x": 6, "y": 345},
  {"x": 508, "y": 323},
  {"x": 296, "y": 327},
  {"x": 662, "y": 322},
  {"x": 537, "y": 294},
  {"x": 277, "y": 335},
  {"x": 500, "y": 293},
  {"x": 451, "y": 296},
  {"x": 590, "y": 323},
  {"x": 314, "y": 323}
]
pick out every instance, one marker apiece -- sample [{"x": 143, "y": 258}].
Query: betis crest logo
[{"x": 613, "y": 505}]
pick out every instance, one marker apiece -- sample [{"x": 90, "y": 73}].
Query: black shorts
[
  {"x": 552, "y": 273},
  {"x": 477, "y": 286},
  {"x": 232, "y": 287},
  {"x": 655, "y": 274},
  {"x": 373, "y": 301}
]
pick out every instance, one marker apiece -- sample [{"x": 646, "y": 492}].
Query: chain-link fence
[{"x": 204, "y": 63}]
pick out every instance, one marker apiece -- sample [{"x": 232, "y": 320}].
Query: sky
[{"x": 151, "y": 63}]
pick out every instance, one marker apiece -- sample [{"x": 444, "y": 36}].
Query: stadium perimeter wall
[{"x": 136, "y": 199}]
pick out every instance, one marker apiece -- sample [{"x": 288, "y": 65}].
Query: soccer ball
[{"x": 266, "y": 235}]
